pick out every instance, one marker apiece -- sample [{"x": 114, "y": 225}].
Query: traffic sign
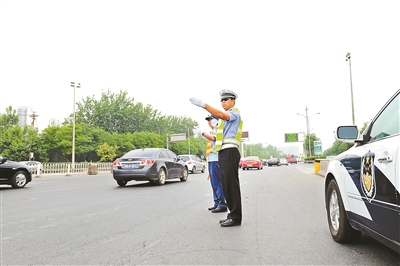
[
  {"x": 317, "y": 147},
  {"x": 291, "y": 137}
]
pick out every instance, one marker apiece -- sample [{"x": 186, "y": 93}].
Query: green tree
[
  {"x": 258, "y": 149},
  {"x": 17, "y": 143},
  {"x": 9, "y": 118},
  {"x": 114, "y": 119},
  {"x": 107, "y": 153},
  {"x": 309, "y": 139},
  {"x": 116, "y": 112},
  {"x": 124, "y": 142},
  {"x": 147, "y": 140},
  {"x": 57, "y": 140}
]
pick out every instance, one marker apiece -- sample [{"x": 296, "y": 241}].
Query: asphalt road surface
[{"x": 89, "y": 220}]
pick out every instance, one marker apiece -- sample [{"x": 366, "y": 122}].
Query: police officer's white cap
[{"x": 228, "y": 94}]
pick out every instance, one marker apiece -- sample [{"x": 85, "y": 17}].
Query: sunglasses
[{"x": 224, "y": 99}]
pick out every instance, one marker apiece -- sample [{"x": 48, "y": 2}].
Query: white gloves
[
  {"x": 197, "y": 131},
  {"x": 214, "y": 122},
  {"x": 197, "y": 102}
]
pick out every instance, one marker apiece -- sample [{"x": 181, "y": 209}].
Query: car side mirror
[{"x": 347, "y": 133}]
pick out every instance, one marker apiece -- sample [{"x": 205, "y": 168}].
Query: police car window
[{"x": 388, "y": 122}]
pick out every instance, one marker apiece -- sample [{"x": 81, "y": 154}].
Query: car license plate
[
  {"x": 130, "y": 165},
  {"x": 249, "y": 165}
]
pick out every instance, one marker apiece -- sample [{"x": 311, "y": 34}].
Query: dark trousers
[
  {"x": 216, "y": 185},
  {"x": 229, "y": 164}
]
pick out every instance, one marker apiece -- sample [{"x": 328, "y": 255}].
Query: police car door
[{"x": 379, "y": 173}]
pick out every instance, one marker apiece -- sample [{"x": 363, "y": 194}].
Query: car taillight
[
  {"x": 116, "y": 164},
  {"x": 147, "y": 162}
]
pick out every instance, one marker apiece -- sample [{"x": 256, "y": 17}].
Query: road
[{"x": 89, "y": 220}]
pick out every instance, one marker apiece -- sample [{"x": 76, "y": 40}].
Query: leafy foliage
[
  {"x": 93, "y": 129},
  {"x": 262, "y": 152},
  {"x": 117, "y": 113},
  {"x": 10, "y": 118},
  {"x": 107, "y": 153},
  {"x": 308, "y": 143},
  {"x": 17, "y": 143}
]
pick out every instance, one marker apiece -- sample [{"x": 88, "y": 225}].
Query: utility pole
[
  {"x": 78, "y": 85},
  {"x": 34, "y": 116},
  {"x": 188, "y": 140},
  {"x": 308, "y": 128},
  {"x": 348, "y": 58}
]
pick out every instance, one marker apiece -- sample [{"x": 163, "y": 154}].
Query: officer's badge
[{"x": 367, "y": 176}]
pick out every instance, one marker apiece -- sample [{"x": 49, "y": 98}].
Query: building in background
[{"x": 26, "y": 116}]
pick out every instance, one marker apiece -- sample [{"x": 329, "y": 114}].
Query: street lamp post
[
  {"x": 308, "y": 128},
  {"x": 78, "y": 85},
  {"x": 304, "y": 139},
  {"x": 188, "y": 140},
  {"x": 188, "y": 136},
  {"x": 348, "y": 58}
]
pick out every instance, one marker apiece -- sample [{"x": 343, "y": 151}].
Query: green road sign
[{"x": 291, "y": 137}]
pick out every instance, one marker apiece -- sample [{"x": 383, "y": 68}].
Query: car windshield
[
  {"x": 141, "y": 153},
  {"x": 252, "y": 158},
  {"x": 184, "y": 158}
]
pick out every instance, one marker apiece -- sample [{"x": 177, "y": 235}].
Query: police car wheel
[{"x": 339, "y": 225}]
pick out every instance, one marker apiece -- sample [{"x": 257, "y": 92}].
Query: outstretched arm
[
  {"x": 214, "y": 111},
  {"x": 208, "y": 136},
  {"x": 224, "y": 115}
]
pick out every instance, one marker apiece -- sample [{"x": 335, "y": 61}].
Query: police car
[{"x": 362, "y": 184}]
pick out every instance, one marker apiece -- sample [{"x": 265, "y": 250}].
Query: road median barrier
[{"x": 92, "y": 170}]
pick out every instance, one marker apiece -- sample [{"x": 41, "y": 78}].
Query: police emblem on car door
[{"x": 368, "y": 184}]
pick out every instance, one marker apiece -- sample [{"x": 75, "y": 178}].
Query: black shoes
[
  {"x": 220, "y": 210},
  {"x": 229, "y": 222},
  {"x": 225, "y": 222}
]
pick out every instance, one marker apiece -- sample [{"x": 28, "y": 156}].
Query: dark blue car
[{"x": 149, "y": 164}]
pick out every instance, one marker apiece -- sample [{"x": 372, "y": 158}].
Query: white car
[
  {"x": 193, "y": 162},
  {"x": 284, "y": 161},
  {"x": 362, "y": 184}
]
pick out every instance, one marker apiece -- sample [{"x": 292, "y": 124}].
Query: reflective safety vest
[
  {"x": 220, "y": 134},
  {"x": 208, "y": 148}
]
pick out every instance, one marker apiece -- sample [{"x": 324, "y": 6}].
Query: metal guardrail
[{"x": 66, "y": 168}]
